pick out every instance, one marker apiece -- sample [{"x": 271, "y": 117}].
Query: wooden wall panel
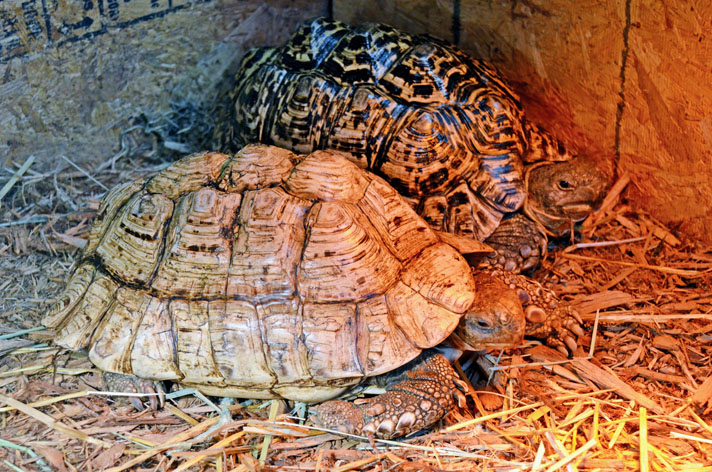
[{"x": 74, "y": 75}]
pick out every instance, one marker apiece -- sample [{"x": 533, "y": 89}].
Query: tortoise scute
[
  {"x": 188, "y": 174},
  {"x": 153, "y": 354},
  {"x": 327, "y": 176},
  {"x": 132, "y": 244},
  {"x": 404, "y": 232},
  {"x": 344, "y": 258},
  {"x": 362, "y": 123},
  {"x": 493, "y": 125},
  {"x": 79, "y": 324},
  {"x": 381, "y": 343},
  {"x": 434, "y": 211},
  {"x": 311, "y": 44},
  {"x": 254, "y": 99},
  {"x": 111, "y": 341},
  {"x": 193, "y": 344},
  {"x": 72, "y": 295},
  {"x": 110, "y": 204},
  {"x": 426, "y": 157},
  {"x": 236, "y": 338},
  {"x": 256, "y": 167},
  {"x": 426, "y": 74},
  {"x": 197, "y": 254},
  {"x": 254, "y": 60},
  {"x": 281, "y": 322},
  {"x": 442, "y": 275},
  {"x": 330, "y": 336},
  {"x": 268, "y": 242},
  {"x": 304, "y": 101},
  {"x": 424, "y": 323},
  {"x": 348, "y": 56}
]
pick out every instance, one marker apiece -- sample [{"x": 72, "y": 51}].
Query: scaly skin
[
  {"x": 548, "y": 318},
  {"x": 519, "y": 245},
  {"x": 427, "y": 394},
  {"x": 124, "y": 383},
  {"x": 559, "y": 195}
]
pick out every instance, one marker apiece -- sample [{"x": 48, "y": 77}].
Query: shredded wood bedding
[{"x": 637, "y": 395}]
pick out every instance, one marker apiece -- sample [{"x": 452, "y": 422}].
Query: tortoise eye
[{"x": 564, "y": 185}]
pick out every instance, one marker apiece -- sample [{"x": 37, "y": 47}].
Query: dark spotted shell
[{"x": 442, "y": 127}]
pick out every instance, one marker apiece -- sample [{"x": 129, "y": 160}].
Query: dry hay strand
[{"x": 636, "y": 396}]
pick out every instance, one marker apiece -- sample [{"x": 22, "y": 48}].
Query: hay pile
[{"x": 636, "y": 397}]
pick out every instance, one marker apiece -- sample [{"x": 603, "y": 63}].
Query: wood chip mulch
[{"x": 637, "y": 395}]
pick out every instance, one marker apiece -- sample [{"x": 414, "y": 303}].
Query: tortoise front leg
[
  {"x": 547, "y": 317},
  {"x": 427, "y": 393},
  {"x": 460, "y": 211},
  {"x": 519, "y": 244}
]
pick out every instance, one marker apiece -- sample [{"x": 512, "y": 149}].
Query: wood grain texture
[{"x": 76, "y": 90}]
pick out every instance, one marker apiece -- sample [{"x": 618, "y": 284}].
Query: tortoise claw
[
  {"x": 425, "y": 396},
  {"x": 576, "y": 329},
  {"x": 571, "y": 344},
  {"x": 562, "y": 350},
  {"x": 460, "y": 398},
  {"x": 137, "y": 403},
  {"x": 547, "y": 318}
]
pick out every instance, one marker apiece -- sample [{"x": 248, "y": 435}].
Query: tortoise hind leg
[
  {"x": 124, "y": 383},
  {"x": 427, "y": 393}
]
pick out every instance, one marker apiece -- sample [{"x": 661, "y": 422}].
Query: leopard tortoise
[
  {"x": 443, "y": 128},
  {"x": 269, "y": 274}
]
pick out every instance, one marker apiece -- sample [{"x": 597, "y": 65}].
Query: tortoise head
[
  {"x": 560, "y": 194},
  {"x": 495, "y": 319},
  {"x": 561, "y": 189}
]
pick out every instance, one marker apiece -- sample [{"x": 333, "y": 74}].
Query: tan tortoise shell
[{"x": 265, "y": 274}]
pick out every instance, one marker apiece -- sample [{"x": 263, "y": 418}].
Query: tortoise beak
[{"x": 577, "y": 211}]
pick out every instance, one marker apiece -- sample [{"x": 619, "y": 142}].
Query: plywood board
[{"x": 75, "y": 74}]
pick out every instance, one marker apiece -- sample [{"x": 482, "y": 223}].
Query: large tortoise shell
[
  {"x": 265, "y": 274},
  {"x": 429, "y": 118}
]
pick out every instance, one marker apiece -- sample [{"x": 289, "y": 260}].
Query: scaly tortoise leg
[
  {"x": 548, "y": 318},
  {"x": 125, "y": 383},
  {"x": 426, "y": 394},
  {"x": 519, "y": 245}
]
